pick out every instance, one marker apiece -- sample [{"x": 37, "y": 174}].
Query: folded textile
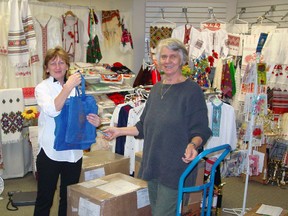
[
  {"x": 12, "y": 105},
  {"x": 28, "y": 92}
]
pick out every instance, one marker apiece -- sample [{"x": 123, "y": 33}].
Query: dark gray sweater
[{"x": 167, "y": 126}]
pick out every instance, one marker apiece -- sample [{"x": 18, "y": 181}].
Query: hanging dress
[
  {"x": 94, "y": 54},
  {"x": 74, "y": 38}
]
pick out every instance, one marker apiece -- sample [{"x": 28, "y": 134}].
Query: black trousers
[{"x": 48, "y": 172}]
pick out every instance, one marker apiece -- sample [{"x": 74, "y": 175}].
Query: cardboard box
[
  {"x": 138, "y": 158},
  {"x": 115, "y": 194},
  {"x": 99, "y": 163}
]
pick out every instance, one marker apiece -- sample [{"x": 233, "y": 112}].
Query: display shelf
[
  {"x": 108, "y": 88},
  {"x": 111, "y": 90}
]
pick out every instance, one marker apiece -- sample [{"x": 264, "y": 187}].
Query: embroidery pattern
[
  {"x": 159, "y": 33},
  {"x": 12, "y": 122},
  {"x": 44, "y": 36},
  {"x": 216, "y": 119}
]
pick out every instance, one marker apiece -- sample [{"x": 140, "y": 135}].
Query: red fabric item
[
  {"x": 117, "y": 64},
  {"x": 28, "y": 92},
  {"x": 117, "y": 98},
  {"x": 155, "y": 76},
  {"x": 278, "y": 101},
  {"x": 208, "y": 166}
]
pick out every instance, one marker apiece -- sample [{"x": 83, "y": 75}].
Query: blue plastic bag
[{"x": 72, "y": 130}]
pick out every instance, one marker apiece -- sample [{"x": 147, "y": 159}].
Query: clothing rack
[
  {"x": 213, "y": 18},
  {"x": 139, "y": 96},
  {"x": 263, "y": 17},
  {"x": 272, "y": 8}
]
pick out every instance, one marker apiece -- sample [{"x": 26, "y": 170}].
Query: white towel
[
  {"x": 28, "y": 26},
  {"x": 18, "y": 51},
  {"x": 12, "y": 105}
]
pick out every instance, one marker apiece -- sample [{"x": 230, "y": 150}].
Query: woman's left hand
[{"x": 93, "y": 119}]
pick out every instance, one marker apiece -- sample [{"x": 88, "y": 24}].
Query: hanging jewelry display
[{"x": 277, "y": 173}]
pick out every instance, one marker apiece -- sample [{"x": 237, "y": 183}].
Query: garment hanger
[
  {"x": 240, "y": 21},
  {"x": 215, "y": 99},
  {"x": 163, "y": 20},
  {"x": 149, "y": 62},
  {"x": 263, "y": 17},
  {"x": 139, "y": 96},
  {"x": 236, "y": 18},
  {"x": 213, "y": 18},
  {"x": 260, "y": 21},
  {"x": 70, "y": 13}
]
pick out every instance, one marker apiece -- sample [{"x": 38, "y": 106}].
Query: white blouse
[{"x": 227, "y": 132}]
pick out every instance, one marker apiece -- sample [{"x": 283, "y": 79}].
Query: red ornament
[
  {"x": 70, "y": 33},
  {"x": 214, "y": 54},
  {"x": 257, "y": 132}
]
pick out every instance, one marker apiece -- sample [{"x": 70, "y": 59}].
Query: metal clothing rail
[
  {"x": 184, "y": 10},
  {"x": 284, "y": 16},
  {"x": 263, "y": 17}
]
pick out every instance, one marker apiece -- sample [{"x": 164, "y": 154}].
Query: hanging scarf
[
  {"x": 111, "y": 27},
  {"x": 4, "y": 34},
  {"x": 226, "y": 83},
  {"x": 18, "y": 51},
  {"x": 29, "y": 31},
  {"x": 94, "y": 54},
  {"x": 126, "y": 43}
]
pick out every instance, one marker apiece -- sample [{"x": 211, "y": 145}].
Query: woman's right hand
[
  {"x": 73, "y": 80},
  {"x": 111, "y": 133}
]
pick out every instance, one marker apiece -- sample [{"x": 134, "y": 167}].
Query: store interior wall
[{"x": 136, "y": 13}]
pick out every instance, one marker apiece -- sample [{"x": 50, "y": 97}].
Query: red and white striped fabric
[{"x": 278, "y": 101}]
